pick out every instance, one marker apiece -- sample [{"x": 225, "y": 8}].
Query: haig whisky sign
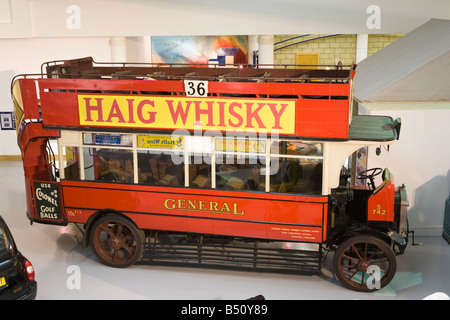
[
  {"x": 47, "y": 200},
  {"x": 221, "y": 114}
]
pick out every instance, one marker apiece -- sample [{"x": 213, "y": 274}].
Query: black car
[{"x": 16, "y": 272}]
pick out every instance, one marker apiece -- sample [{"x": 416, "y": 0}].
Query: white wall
[
  {"x": 231, "y": 17},
  {"x": 421, "y": 161},
  {"x": 18, "y": 56}
]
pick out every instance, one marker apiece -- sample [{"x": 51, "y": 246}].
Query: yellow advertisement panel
[
  {"x": 246, "y": 115},
  {"x": 165, "y": 142},
  {"x": 241, "y": 145}
]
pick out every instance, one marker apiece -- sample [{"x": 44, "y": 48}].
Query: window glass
[
  {"x": 239, "y": 172},
  {"x": 160, "y": 168},
  {"x": 200, "y": 170},
  {"x": 239, "y": 163},
  {"x": 108, "y": 165},
  {"x": 71, "y": 163},
  {"x": 296, "y": 148},
  {"x": 199, "y": 161},
  {"x": 299, "y": 176}
]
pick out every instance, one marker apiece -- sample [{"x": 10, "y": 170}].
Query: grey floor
[{"x": 64, "y": 271}]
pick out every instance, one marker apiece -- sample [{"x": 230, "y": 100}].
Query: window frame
[{"x": 76, "y": 139}]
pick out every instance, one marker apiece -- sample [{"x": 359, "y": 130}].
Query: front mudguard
[{"x": 392, "y": 238}]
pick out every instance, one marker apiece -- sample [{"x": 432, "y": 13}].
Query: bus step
[{"x": 230, "y": 253}]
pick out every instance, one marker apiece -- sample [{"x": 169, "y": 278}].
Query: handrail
[
  {"x": 307, "y": 40},
  {"x": 87, "y": 67}
]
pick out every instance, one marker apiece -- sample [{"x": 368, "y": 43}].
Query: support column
[
  {"x": 265, "y": 49},
  {"x": 252, "y": 46},
  {"x": 362, "y": 43},
  {"x": 118, "y": 49},
  {"x": 139, "y": 49}
]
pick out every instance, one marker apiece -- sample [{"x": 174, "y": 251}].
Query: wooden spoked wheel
[
  {"x": 364, "y": 263},
  {"x": 116, "y": 241}
]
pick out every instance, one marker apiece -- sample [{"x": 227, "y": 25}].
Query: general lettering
[{"x": 203, "y": 206}]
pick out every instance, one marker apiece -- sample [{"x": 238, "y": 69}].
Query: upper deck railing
[
  {"x": 88, "y": 68},
  {"x": 308, "y": 102}
]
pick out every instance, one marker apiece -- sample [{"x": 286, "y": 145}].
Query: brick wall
[
  {"x": 343, "y": 46},
  {"x": 379, "y": 41}
]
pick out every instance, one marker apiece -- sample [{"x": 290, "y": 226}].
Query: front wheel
[
  {"x": 116, "y": 241},
  {"x": 364, "y": 263}
]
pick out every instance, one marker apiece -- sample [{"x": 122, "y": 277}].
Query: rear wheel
[
  {"x": 364, "y": 263},
  {"x": 116, "y": 241}
]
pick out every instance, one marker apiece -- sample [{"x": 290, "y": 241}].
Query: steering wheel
[{"x": 370, "y": 174}]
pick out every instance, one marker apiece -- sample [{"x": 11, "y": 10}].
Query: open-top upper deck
[
  {"x": 297, "y": 101},
  {"x": 88, "y": 68}
]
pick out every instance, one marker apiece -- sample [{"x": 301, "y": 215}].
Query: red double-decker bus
[{"x": 217, "y": 166}]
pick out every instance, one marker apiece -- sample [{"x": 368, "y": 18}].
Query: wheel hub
[
  {"x": 364, "y": 265},
  {"x": 115, "y": 243}
]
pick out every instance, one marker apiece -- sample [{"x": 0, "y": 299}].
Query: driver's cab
[{"x": 365, "y": 202}]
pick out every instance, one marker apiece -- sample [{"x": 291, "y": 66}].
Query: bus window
[
  {"x": 158, "y": 168},
  {"x": 239, "y": 172},
  {"x": 239, "y": 162},
  {"x": 200, "y": 170},
  {"x": 71, "y": 164},
  {"x": 160, "y": 160},
  {"x": 300, "y": 176},
  {"x": 300, "y": 167},
  {"x": 108, "y": 164},
  {"x": 297, "y": 148}
]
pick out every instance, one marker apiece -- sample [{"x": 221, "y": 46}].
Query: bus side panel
[
  {"x": 54, "y": 115},
  {"x": 295, "y": 233},
  {"x": 281, "y": 217},
  {"x": 241, "y": 217},
  {"x": 322, "y": 118},
  {"x": 380, "y": 206},
  {"x": 30, "y": 99},
  {"x": 316, "y": 118},
  {"x": 303, "y": 220}
]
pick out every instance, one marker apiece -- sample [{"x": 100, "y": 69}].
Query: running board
[{"x": 230, "y": 253}]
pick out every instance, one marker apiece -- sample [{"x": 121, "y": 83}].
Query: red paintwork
[
  {"x": 30, "y": 99},
  {"x": 244, "y": 214},
  {"x": 381, "y": 204},
  {"x": 315, "y": 118},
  {"x": 32, "y": 139}
]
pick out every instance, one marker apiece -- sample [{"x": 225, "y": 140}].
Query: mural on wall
[{"x": 200, "y": 49}]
